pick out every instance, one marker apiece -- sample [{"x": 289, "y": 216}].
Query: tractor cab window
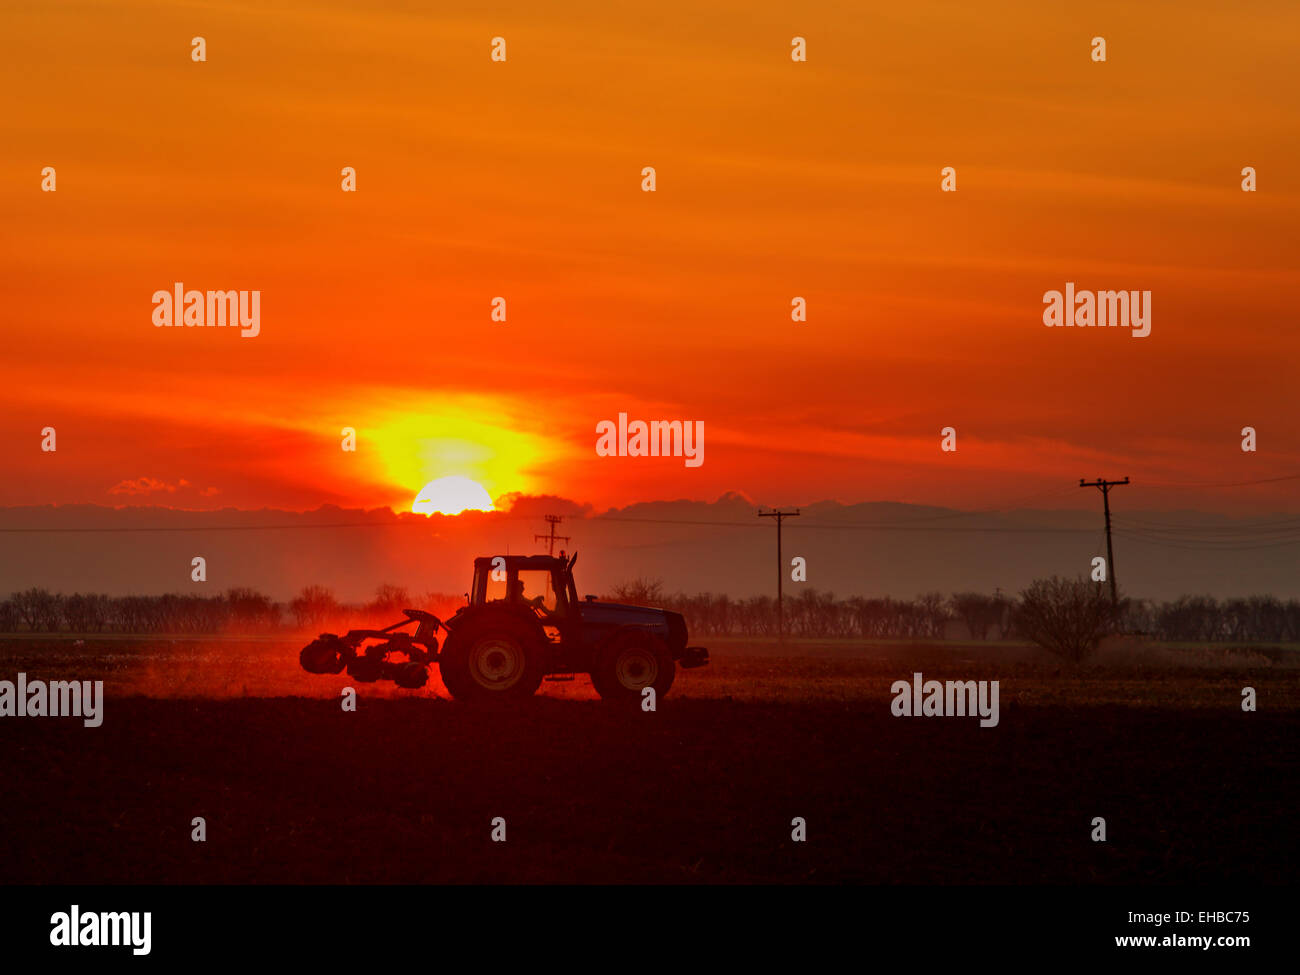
[
  {"x": 533, "y": 586},
  {"x": 492, "y": 589}
]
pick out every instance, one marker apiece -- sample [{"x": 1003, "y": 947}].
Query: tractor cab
[{"x": 542, "y": 583}]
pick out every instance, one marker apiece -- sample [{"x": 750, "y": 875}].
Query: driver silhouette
[{"x": 517, "y": 596}]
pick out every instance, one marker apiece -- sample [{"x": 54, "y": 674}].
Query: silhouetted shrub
[
  {"x": 1069, "y": 617},
  {"x": 313, "y": 606}
]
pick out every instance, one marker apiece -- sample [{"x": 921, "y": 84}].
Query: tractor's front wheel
[
  {"x": 630, "y": 663},
  {"x": 491, "y": 664}
]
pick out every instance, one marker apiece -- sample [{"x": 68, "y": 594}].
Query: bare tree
[
  {"x": 1066, "y": 616},
  {"x": 86, "y": 613},
  {"x": 640, "y": 592},
  {"x": 933, "y": 612},
  {"x": 313, "y": 605},
  {"x": 389, "y": 599},
  {"x": 977, "y": 611},
  {"x": 250, "y": 609},
  {"x": 39, "y": 609},
  {"x": 8, "y": 616}
]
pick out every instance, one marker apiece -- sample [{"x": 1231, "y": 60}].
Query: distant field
[
  {"x": 1125, "y": 673},
  {"x": 295, "y": 790}
]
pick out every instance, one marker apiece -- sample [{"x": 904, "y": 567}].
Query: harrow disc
[
  {"x": 410, "y": 675},
  {"x": 366, "y": 669},
  {"x": 321, "y": 657}
]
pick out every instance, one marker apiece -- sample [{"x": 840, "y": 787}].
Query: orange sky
[{"x": 522, "y": 179}]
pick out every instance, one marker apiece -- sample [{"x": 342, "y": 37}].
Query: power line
[
  {"x": 833, "y": 526},
  {"x": 1226, "y": 545},
  {"x": 1283, "y": 524},
  {"x": 1127, "y": 522},
  {"x": 1210, "y": 538},
  {"x": 1193, "y": 484}
]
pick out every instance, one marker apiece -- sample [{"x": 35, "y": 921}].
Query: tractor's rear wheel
[
  {"x": 630, "y": 663},
  {"x": 492, "y": 663}
]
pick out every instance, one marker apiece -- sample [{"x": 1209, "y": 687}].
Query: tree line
[
  {"x": 808, "y": 613},
  {"x": 233, "y": 611},
  {"x": 812, "y": 613}
]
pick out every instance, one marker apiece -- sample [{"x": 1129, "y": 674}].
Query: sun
[{"x": 450, "y": 496}]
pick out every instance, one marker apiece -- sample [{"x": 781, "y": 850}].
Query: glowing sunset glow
[
  {"x": 450, "y": 496},
  {"x": 924, "y": 308},
  {"x": 487, "y": 441}
]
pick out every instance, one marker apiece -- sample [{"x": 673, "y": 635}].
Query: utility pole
[
  {"x": 1105, "y": 487},
  {"x": 550, "y": 539},
  {"x": 780, "y": 516}
]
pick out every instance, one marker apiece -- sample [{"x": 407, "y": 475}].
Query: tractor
[{"x": 523, "y": 624}]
